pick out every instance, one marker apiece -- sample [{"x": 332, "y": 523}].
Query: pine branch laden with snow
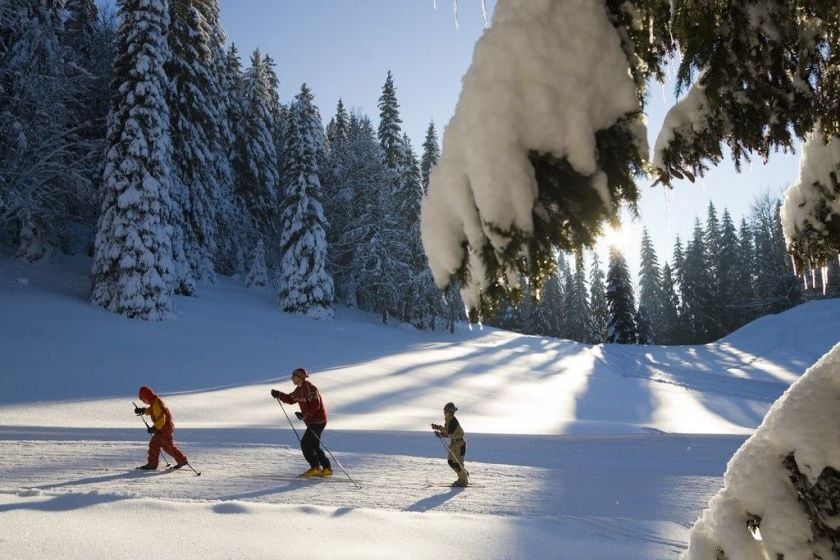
[
  {"x": 133, "y": 265},
  {"x": 546, "y": 139},
  {"x": 810, "y": 212},
  {"x": 780, "y": 497},
  {"x": 765, "y": 72}
]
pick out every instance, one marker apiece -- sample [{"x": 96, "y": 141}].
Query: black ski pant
[{"x": 310, "y": 444}]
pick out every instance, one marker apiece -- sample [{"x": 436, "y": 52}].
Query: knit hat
[
  {"x": 300, "y": 372},
  {"x": 146, "y": 395},
  {"x": 449, "y": 407}
]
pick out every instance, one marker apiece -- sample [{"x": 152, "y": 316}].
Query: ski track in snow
[{"x": 563, "y": 478}]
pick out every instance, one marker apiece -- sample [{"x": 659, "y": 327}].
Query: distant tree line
[
  {"x": 720, "y": 279},
  {"x": 140, "y": 138}
]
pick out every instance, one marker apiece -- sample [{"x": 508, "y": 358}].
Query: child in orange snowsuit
[{"x": 162, "y": 430}]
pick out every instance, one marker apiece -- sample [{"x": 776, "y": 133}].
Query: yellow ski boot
[{"x": 313, "y": 471}]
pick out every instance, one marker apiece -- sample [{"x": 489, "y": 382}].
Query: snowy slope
[{"x": 566, "y": 441}]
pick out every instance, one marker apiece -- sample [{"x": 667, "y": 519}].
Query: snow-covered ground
[{"x": 575, "y": 451}]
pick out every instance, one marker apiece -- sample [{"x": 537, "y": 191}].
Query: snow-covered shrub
[{"x": 781, "y": 494}]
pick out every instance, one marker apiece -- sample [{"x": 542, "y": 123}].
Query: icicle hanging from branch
[{"x": 824, "y": 271}]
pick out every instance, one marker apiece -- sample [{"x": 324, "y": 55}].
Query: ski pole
[
  {"x": 449, "y": 450},
  {"x": 162, "y": 456},
  {"x": 319, "y": 442},
  {"x": 288, "y": 419},
  {"x": 327, "y": 449}
]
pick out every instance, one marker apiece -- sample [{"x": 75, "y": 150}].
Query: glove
[
  {"x": 299, "y": 415},
  {"x": 151, "y": 429},
  {"x": 138, "y": 410},
  {"x": 437, "y": 427},
  {"x": 275, "y": 393}
]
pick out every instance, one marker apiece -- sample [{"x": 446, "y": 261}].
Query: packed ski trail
[{"x": 579, "y": 478}]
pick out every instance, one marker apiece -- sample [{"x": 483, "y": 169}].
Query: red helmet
[{"x": 146, "y": 395}]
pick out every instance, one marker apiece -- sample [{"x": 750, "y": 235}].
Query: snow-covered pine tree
[
  {"x": 337, "y": 184},
  {"x": 380, "y": 267},
  {"x": 579, "y": 317},
  {"x": 431, "y": 155},
  {"x": 715, "y": 309},
  {"x": 678, "y": 268},
  {"x": 193, "y": 104},
  {"x": 650, "y": 290},
  {"x": 696, "y": 289},
  {"x": 598, "y": 302},
  {"x": 621, "y": 325},
  {"x": 132, "y": 266},
  {"x": 46, "y": 160},
  {"x": 569, "y": 331},
  {"x": 727, "y": 260},
  {"x": 255, "y": 156},
  {"x": 422, "y": 303},
  {"x": 551, "y": 302},
  {"x": 339, "y": 127},
  {"x": 775, "y": 286},
  {"x": 528, "y": 316},
  {"x": 359, "y": 177},
  {"x": 670, "y": 329},
  {"x": 564, "y": 284},
  {"x": 278, "y": 126},
  {"x": 390, "y": 132},
  {"x": 257, "y": 276},
  {"x": 219, "y": 96},
  {"x": 90, "y": 46},
  {"x": 235, "y": 226},
  {"x": 81, "y": 28},
  {"x": 742, "y": 283},
  {"x": 644, "y": 328},
  {"x": 305, "y": 286}
]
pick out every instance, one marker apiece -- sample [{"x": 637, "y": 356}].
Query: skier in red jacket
[
  {"x": 162, "y": 430},
  {"x": 314, "y": 415}
]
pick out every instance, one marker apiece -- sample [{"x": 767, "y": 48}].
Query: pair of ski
[
  {"x": 302, "y": 478},
  {"x": 171, "y": 468}
]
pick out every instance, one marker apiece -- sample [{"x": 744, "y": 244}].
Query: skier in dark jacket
[
  {"x": 457, "y": 447},
  {"x": 314, "y": 415},
  {"x": 162, "y": 430}
]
